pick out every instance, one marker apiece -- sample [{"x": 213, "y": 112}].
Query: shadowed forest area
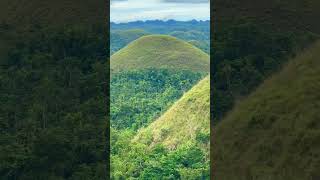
[{"x": 54, "y": 90}]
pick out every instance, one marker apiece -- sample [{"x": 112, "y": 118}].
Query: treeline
[
  {"x": 54, "y": 110},
  {"x": 163, "y": 27},
  {"x": 138, "y": 97}
]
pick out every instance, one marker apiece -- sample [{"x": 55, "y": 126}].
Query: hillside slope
[
  {"x": 184, "y": 121},
  {"x": 274, "y": 133},
  {"x": 160, "y": 51}
]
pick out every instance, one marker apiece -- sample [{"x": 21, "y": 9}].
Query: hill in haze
[
  {"x": 160, "y": 51},
  {"x": 187, "y": 120},
  {"x": 274, "y": 133}
]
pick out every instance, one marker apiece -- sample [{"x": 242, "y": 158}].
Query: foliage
[
  {"x": 137, "y": 161},
  {"x": 53, "y": 112},
  {"x": 138, "y": 97}
]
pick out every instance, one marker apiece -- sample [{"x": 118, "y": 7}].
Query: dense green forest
[
  {"x": 138, "y": 97},
  {"x": 53, "y": 90},
  {"x": 137, "y": 159},
  {"x": 148, "y": 76},
  {"x": 53, "y": 117}
]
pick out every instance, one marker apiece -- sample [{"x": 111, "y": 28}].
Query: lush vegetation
[
  {"x": 53, "y": 113},
  {"x": 147, "y": 157},
  {"x": 274, "y": 133},
  {"x": 138, "y": 97},
  {"x": 148, "y": 76}
]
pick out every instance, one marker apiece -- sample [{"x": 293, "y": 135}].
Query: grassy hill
[
  {"x": 185, "y": 121},
  {"x": 160, "y": 51},
  {"x": 274, "y": 133}
]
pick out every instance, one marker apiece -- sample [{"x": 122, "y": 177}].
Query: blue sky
[{"x": 133, "y": 10}]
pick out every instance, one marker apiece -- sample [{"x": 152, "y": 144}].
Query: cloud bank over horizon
[
  {"x": 186, "y": 1},
  {"x": 183, "y": 10}
]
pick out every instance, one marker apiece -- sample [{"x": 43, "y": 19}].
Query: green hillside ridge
[
  {"x": 120, "y": 38},
  {"x": 186, "y": 120},
  {"x": 190, "y": 35},
  {"x": 275, "y": 132},
  {"x": 160, "y": 51},
  {"x": 128, "y": 34}
]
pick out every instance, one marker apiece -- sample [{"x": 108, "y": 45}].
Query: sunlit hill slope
[
  {"x": 162, "y": 52},
  {"x": 185, "y": 121}
]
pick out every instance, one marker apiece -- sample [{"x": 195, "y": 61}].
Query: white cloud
[
  {"x": 187, "y": 1},
  {"x": 132, "y": 10}
]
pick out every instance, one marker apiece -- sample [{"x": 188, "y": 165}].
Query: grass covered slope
[
  {"x": 187, "y": 120},
  {"x": 160, "y": 51},
  {"x": 275, "y": 132}
]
